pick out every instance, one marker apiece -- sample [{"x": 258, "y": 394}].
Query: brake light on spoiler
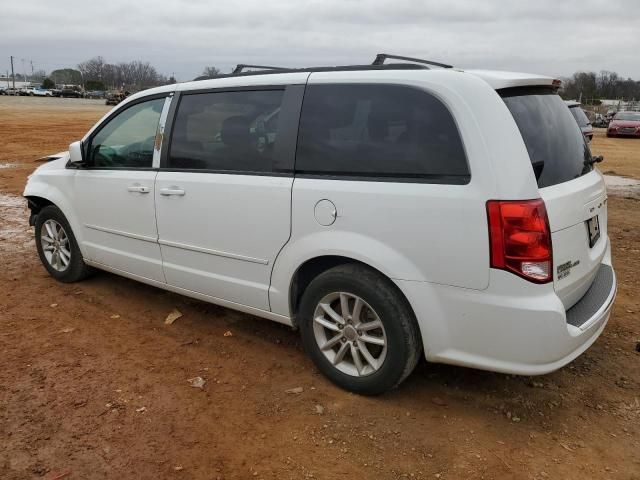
[{"x": 520, "y": 238}]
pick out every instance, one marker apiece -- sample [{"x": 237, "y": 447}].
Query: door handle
[
  {"x": 138, "y": 189},
  {"x": 172, "y": 191}
]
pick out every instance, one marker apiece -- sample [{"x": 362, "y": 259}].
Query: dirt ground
[{"x": 93, "y": 384}]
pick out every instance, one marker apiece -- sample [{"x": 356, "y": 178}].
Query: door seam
[{"x": 155, "y": 215}]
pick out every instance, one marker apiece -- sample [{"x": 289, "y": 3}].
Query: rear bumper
[{"x": 511, "y": 327}]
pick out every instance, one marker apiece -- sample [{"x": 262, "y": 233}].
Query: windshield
[
  {"x": 555, "y": 143},
  {"x": 580, "y": 116},
  {"x": 633, "y": 116}
]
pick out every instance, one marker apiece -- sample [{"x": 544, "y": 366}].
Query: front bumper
[{"x": 512, "y": 327}]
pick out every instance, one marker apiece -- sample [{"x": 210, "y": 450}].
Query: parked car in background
[
  {"x": 68, "y": 92},
  {"x": 114, "y": 98},
  {"x": 94, "y": 94},
  {"x": 10, "y": 91},
  {"x": 40, "y": 92},
  {"x": 600, "y": 121},
  {"x": 624, "y": 124},
  {"x": 581, "y": 117},
  {"x": 3, "y": 91},
  {"x": 392, "y": 211}
]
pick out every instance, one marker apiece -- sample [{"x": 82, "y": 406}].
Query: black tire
[
  {"x": 404, "y": 344},
  {"x": 76, "y": 269}
]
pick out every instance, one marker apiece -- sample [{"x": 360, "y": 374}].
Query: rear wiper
[{"x": 593, "y": 160}]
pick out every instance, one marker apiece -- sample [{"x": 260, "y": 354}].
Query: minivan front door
[
  {"x": 223, "y": 194},
  {"x": 115, "y": 192}
]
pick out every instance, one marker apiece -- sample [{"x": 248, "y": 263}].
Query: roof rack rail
[
  {"x": 381, "y": 57},
  {"x": 241, "y": 66},
  {"x": 265, "y": 70}
]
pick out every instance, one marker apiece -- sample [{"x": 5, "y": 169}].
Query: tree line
[
  {"x": 97, "y": 74},
  {"x": 591, "y": 87}
]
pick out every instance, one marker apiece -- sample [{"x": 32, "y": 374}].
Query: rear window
[
  {"x": 580, "y": 116},
  {"x": 379, "y": 131},
  {"x": 555, "y": 143}
]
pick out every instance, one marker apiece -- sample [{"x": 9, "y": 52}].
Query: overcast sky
[{"x": 554, "y": 37}]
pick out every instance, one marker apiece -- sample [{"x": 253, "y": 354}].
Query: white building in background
[
  {"x": 621, "y": 105},
  {"x": 8, "y": 82}
]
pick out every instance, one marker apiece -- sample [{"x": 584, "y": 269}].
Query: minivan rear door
[{"x": 573, "y": 191}]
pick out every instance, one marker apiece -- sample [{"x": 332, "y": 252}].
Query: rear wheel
[
  {"x": 57, "y": 246},
  {"x": 359, "y": 329}
]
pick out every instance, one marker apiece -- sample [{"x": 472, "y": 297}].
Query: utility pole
[
  {"x": 31, "y": 70},
  {"x": 13, "y": 75}
]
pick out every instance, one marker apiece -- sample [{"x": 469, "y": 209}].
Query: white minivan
[{"x": 388, "y": 211}]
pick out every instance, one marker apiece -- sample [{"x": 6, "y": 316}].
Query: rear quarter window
[
  {"x": 379, "y": 131},
  {"x": 554, "y": 141}
]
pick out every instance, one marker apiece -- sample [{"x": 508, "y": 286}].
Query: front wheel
[
  {"x": 359, "y": 329},
  {"x": 57, "y": 246}
]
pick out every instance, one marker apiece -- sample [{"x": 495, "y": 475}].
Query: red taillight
[{"x": 520, "y": 238}]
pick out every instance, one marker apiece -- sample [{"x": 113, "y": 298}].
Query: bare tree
[
  {"x": 92, "y": 69},
  {"x": 144, "y": 74},
  {"x": 38, "y": 76},
  {"x": 591, "y": 86},
  {"x": 210, "y": 72}
]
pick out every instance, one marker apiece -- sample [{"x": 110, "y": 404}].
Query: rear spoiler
[{"x": 500, "y": 80}]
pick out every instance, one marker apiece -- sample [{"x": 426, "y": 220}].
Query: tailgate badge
[{"x": 564, "y": 270}]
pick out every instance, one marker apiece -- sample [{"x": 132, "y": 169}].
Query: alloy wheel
[
  {"x": 55, "y": 245},
  {"x": 350, "y": 334}
]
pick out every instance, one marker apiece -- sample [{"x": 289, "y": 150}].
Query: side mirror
[{"x": 75, "y": 154}]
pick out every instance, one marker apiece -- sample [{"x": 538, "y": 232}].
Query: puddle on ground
[
  {"x": 15, "y": 233},
  {"x": 623, "y": 186}
]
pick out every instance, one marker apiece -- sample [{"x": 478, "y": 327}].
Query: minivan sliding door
[{"x": 223, "y": 194}]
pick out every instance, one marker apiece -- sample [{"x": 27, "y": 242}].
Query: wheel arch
[
  {"x": 40, "y": 194},
  {"x": 36, "y": 204},
  {"x": 312, "y": 267},
  {"x": 333, "y": 248}
]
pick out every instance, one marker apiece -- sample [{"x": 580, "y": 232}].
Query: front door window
[{"x": 127, "y": 140}]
